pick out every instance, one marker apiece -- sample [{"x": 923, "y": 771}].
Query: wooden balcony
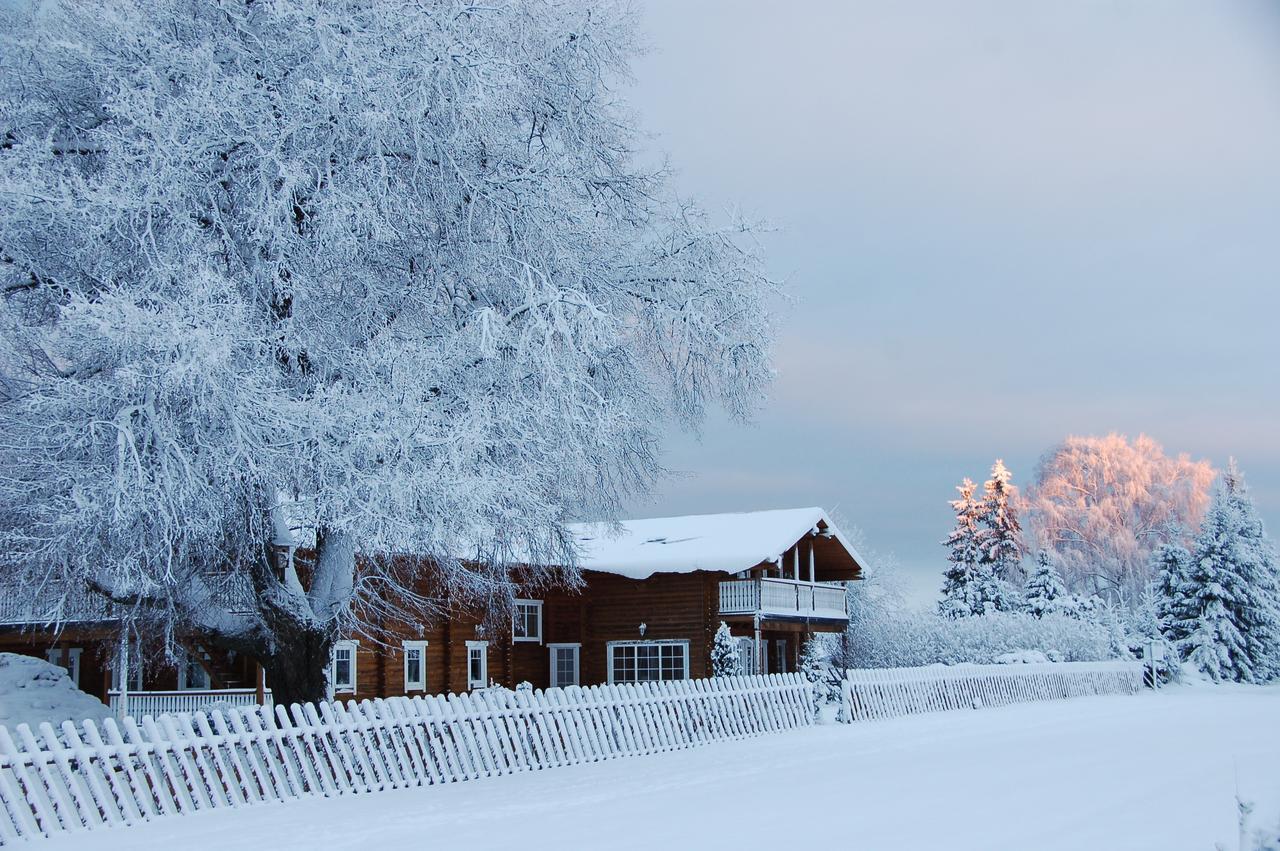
[{"x": 784, "y": 598}]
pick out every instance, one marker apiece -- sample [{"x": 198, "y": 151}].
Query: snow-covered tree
[
  {"x": 812, "y": 656},
  {"x": 1104, "y": 504},
  {"x": 1211, "y": 595},
  {"x": 1171, "y": 564},
  {"x": 396, "y": 271},
  {"x": 999, "y": 536},
  {"x": 725, "y": 661},
  {"x": 1111, "y": 619},
  {"x": 964, "y": 587},
  {"x": 1044, "y": 593},
  {"x": 1257, "y": 608}
]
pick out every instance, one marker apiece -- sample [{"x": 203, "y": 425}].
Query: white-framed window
[
  {"x": 781, "y": 645},
  {"x": 647, "y": 661},
  {"x": 564, "y": 664},
  {"x": 71, "y": 662},
  {"x": 477, "y": 664},
  {"x": 342, "y": 667},
  {"x": 526, "y": 623},
  {"x": 415, "y": 666},
  {"x": 192, "y": 675}
]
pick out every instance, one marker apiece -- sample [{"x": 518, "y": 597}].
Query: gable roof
[{"x": 725, "y": 543}]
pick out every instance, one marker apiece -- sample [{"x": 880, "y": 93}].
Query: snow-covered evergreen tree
[
  {"x": 812, "y": 655},
  {"x": 1210, "y": 597},
  {"x": 725, "y": 661},
  {"x": 1257, "y": 607},
  {"x": 964, "y": 588},
  {"x": 1171, "y": 565},
  {"x": 1000, "y": 545},
  {"x": 812, "y": 666},
  {"x": 397, "y": 262},
  {"x": 1045, "y": 593}
]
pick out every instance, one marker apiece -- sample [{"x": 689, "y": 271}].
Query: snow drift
[{"x": 33, "y": 690}]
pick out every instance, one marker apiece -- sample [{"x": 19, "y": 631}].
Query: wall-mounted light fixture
[{"x": 643, "y": 627}]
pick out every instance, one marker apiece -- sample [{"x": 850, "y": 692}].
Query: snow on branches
[{"x": 402, "y": 269}]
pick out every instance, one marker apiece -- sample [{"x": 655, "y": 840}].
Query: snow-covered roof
[{"x": 726, "y": 543}]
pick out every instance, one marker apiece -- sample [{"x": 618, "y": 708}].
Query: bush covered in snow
[
  {"x": 32, "y": 691},
  {"x": 891, "y": 639},
  {"x": 885, "y": 632},
  {"x": 1023, "y": 657}
]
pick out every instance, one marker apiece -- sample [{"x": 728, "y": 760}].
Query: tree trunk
[{"x": 298, "y": 668}]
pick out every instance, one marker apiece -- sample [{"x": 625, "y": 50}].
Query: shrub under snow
[
  {"x": 891, "y": 639},
  {"x": 33, "y": 690}
]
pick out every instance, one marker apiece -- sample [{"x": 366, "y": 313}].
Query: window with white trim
[
  {"x": 477, "y": 664},
  {"x": 526, "y": 622},
  {"x": 191, "y": 674},
  {"x": 71, "y": 662},
  {"x": 647, "y": 661},
  {"x": 415, "y": 666},
  {"x": 564, "y": 664},
  {"x": 342, "y": 666}
]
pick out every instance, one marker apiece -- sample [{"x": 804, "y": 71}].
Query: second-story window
[{"x": 527, "y": 622}]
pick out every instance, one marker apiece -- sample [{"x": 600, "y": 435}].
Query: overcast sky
[{"x": 1003, "y": 222}]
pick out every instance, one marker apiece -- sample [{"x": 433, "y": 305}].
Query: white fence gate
[
  {"x": 92, "y": 776},
  {"x": 889, "y": 692}
]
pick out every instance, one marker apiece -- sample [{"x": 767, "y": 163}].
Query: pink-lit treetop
[{"x": 1103, "y": 504}]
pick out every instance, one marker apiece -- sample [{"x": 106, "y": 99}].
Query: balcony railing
[{"x": 783, "y": 597}]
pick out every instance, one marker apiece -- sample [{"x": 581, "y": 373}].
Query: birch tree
[
  {"x": 1103, "y": 505},
  {"x": 388, "y": 272}
]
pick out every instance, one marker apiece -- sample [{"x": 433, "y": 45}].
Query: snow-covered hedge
[
  {"x": 32, "y": 691},
  {"x": 903, "y": 638}
]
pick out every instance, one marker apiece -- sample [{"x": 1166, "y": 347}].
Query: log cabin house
[{"x": 654, "y": 592}]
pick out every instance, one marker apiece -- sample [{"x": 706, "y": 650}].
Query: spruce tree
[
  {"x": 811, "y": 666},
  {"x": 1045, "y": 593},
  {"x": 1213, "y": 593},
  {"x": 1257, "y": 608},
  {"x": 1171, "y": 565},
  {"x": 725, "y": 661},
  {"x": 1000, "y": 544},
  {"x": 960, "y": 591}
]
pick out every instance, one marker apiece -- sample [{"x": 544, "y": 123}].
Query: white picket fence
[
  {"x": 91, "y": 776},
  {"x": 890, "y": 692}
]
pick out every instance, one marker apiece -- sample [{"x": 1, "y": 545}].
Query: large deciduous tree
[
  {"x": 390, "y": 265},
  {"x": 1104, "y": 504}
]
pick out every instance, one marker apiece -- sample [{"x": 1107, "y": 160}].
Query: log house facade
[{"x": 652, "y": 596}]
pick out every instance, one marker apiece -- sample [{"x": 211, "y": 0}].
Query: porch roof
[{"x": 725, "y": 543}]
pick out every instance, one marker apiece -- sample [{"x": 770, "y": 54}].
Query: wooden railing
[
  {"x": 157, "y": 703},
  {"x": 890, "y": 692},
  {"x": 91, "y": 776},
  {"x": 783, "y": 597}
]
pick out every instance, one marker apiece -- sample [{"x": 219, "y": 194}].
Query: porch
[
  {"x": 154, "y": 703},
  {"x": 784, "y": 598}
]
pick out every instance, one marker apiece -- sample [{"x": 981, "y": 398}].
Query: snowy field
[{"x": 1146, "y": 772}]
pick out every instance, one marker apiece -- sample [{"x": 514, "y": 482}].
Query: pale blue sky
[{"x": 1003, "y": 222}]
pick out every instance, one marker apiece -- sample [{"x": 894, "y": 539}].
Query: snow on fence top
[
  {"x": 727, "y": 543},
  {"x": 111, "y": 774},
  {"x": 890, "y": 692}
]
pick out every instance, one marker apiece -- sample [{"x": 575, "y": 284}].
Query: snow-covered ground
[{"x": 1153, "y": 772}]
